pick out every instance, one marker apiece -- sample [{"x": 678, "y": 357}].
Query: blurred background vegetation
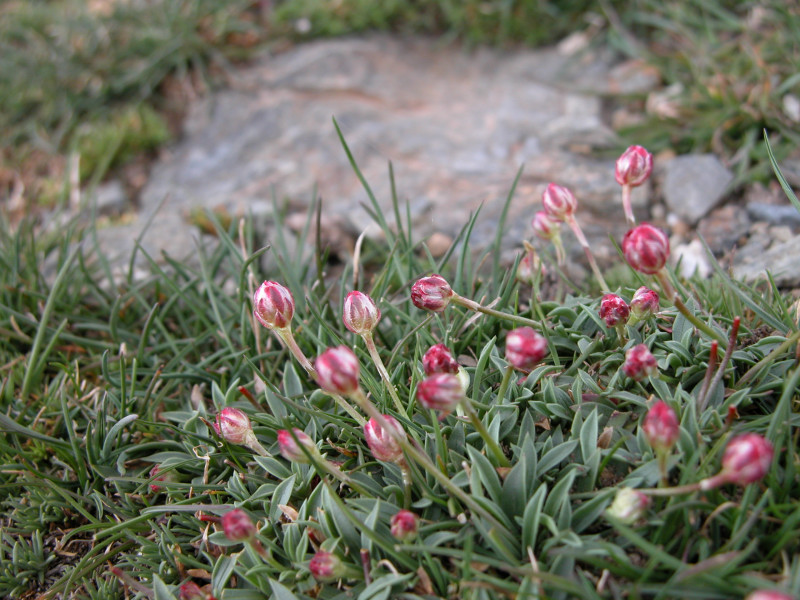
[{"x": 109, "y": 80}]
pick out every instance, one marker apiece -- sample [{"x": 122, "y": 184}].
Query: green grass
[{"x": 100, "y": 383}]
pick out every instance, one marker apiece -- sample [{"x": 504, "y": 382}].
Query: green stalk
[
  {"x": 472, "y": 305},
  {"x": 673, "y": 297},
  {"x": 501, "y": 393},
  {"x": 376, "y": 358}
]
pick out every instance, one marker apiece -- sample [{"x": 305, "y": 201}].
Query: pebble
[{"x": 693, "y": 184}]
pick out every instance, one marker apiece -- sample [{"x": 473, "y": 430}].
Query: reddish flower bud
[
  {"x": 404, "y": 525},
  {"x": 559, "y": 203},
  {"x": 529, "y": 267},
  {"x": 646, "y": 248},
  {"x": 639, "y": 363},
  {"x": 746, "y": 459},
  {"x": 634, "y": 166},
  {"x": 337, "y": 370},
  {"x": 439, "y": 360},
  {"x": 614, "y": 310},
  {"x": 238, "y": 526},
  {"x": 360, "y": 314},
  {"x": 157, "y": 475},
  {"x": 441, "y": 392},
  {"x": 644, "y": 303},
  {"x": 382, "y": 443},
  {"x": 292, "y": 449},
  {"x": 661, "y": 427},
  {"x": 233, "y": 426},
  {"x": 629, "y": 505},
  {"x": 545, "y": 226},
  {"x": 325, "y": 566},
  {"x": 431, "y": 293},
  {"x": 191, "y": 591},
  {"x": 769, "y": 595},
  {"x": 273, "y": 305},
  {"x": 525, "y": 348}
]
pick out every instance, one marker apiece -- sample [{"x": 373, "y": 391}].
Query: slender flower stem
[
  {"x": 576, "y": 229},
  {"x": 472, "y": 305},
  {"x": 288, "y": 338},
  {"x": 376, "y": 358},
  {"x": 484, "y": 433},
  {"x": 701, "y": 486},
  {"x": 406, "y": 471},
  {"x": 626, "y": 205},
  {"x": 255, "y": 446},
  {"x": 673, "y": 297},
  {"x": 501, "y": 393}
]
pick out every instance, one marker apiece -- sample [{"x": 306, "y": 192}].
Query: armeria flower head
[
  {"x": 747, "y": 458},
  {"x": 382, "y": 443},
  {"x": 238, "y": 526},
  {"x": 768, "y": 595},
  {"x": 438, "y": 359},
  {"x": 525, "y": 348},
  {"x": 644, "y": 303},
  {"x": 273, "y": 305},
  {"x": 545, "y": 226},
  {"x": 191, "y": 591},
  {"x": 639, "y": 363},
  {"x": 614, "y": 310},
  {"x": 661, "y": 427},
  {"x": 629, "y": 505},
  {"x": 360, "y": 314},
  {"x": 441, "y": 392},
  {"x": 646, "y": 248},
  {"x": 325, "y": 566},
  {"x": 633, "y": 166},
  {"x": 337, "y": 370},
  {"x": 559, "y": 202},
  {"x": 431, "y": 293},
  {"x": 404, "y": 525},
  {"x": 291, "y": 446},
  {"x": 158, "y": 476},
  {"x": 233, "y": 426},
  {"x": 530, "y": 266}
]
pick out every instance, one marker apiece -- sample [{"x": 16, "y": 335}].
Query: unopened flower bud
[
  {"x": 441, "y": 392},
  {"x": 559, "y": 202},
  {"x": 382, "y": 443},
  {"x": 646, "y": 248},
  {"x": 191, "y": 591},
  {"x": 768, "y": 595},
  {"x": 431, "y": 293},
  {"x": 633, "y": 166},
  {"x": 325, "y": 566},
  {"x": 337, "y": 370},
  {"x": 629, "y": 505},
  {"x": 529, "y": 267},
  {"x": 360, "y": 314},
  {"x": 438, "y": 359},
  {"x": 233, "y": 426},
  {"x": 639, "y": 363},
  {"x": 291, "y": 447},
  {"x": 545, "y": 226},
  {"x": 273, "y": 305},
  {"x": 747, "y": 458},
  {"x": 404, "y": 525},
  {"x": 525, "y": 348},
  {"x": 661, "y": 427},
  {"x": 157, "y": 475},
  {"x": 644, "y": 303},
  {"x": 238, "y": 526},
  {"x": 614, "y": 310}
]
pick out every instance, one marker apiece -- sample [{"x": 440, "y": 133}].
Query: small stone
[
  {"x": 694, "y": 184},
  {"x": 439, "y": 243},
  {"x": 724, "y": 228},
  {"x": 693, "y": 259},
  {"x": 111, "y": 198},
  {"x": 775, "y": 214},
  {"x": 752, "y": 262}
]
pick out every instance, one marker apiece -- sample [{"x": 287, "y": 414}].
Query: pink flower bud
[
  {"x": 525, "y": 348},
  {"x": 360, "y": 314},
  {"x": 191, "y": 591},
  {"x": 629, "y": 505},
  {"x": 661, "y": 427},
  {"x": 545, "y": 226},
  {"x": 292, "y": 450},
  {"x": 441, "y": 392},
  {"x": 439, "y": 360},
  {"x": 634, "y": 166},
  {"x": 431, "y": 293},
  {"x": 382, "y": 443},
  {"x": 614, "y": 310},
  {"x": 273, "y": 305},
  {"x": 157, "y": 476},
  {"x": 325, "y": 566},
  {"x": 238, "y": 526},
  {"x": 639, "y": 363},
  {"x": 644, "y": 303},
  {"x": 233, "y": 426},
  {"x": 337, "y": 371},
  {"x": 746, "y": 459},
  {"x": 768, "y": 595},
  {"x": 559, "y": 203},
  {"x": 646, "y": 248},
  {"x": 404, "y": 525}
]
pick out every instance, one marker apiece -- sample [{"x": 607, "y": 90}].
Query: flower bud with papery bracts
[
  {"x": 529, "y": 267},
  {"x": 404, "y": 525},
  {"x": 159, "y": 477},
  {"x": 525, "y": 348},
  {"x": 384, "y": 444},
  {"x": 614, "y": 310},
  {"x": 639, "y": 363},
  {"x": 747, "y": 458},
  {"x": 646, "y": 248},
  {"x": 661, "y": 427},
  {"x": 644, "y": 304},
  {"x": 633, "y": 166},
  {"x": 441, "y": 392},
  {"x": 238, "y": 526},
  {"x": 291, "y": 446},
  {"x": 559, "y": 202},
  {"x": 629, "y": 505},
  {"x": 325, "y": 566},
  {"x": 233, "y": 426},
  {"x": 769, "y": 595},
  {"x": 438, "y": 359},
  {"x": 431, "y": 293},
  {"x": 273, "y": 305},
  {"x": 191, "y": 591},
  {"x": 545, "y": 226},
  {"x": 360, "y": 314},
  {"x": 337, "y": 371}
]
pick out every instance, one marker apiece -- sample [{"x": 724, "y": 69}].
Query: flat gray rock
[
  {"x": 780, "y": 258},
  {"x": 694, "y": 184}
]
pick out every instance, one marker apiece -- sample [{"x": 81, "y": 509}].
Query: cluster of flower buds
[
  {"x": 559, "y": 202},
  {"x": 525, "y": 348},
  {"x": 646, "y": 248},
  {"x": 747, "y": 458},
  {"x": 337, "y": 371},
  {"x": 633, "y": 167},
  {"x": 438, "y": 359},
  {"x": 644, "y": 305},
  {"x": 404, "y": 525},
  {"x": 326, "y": 566},
  {"x": 233, "y": 426},
  {"x": 431, "y": 293},
  {"x": 614, "y": 310},
  {"x": 441, "y": 392},
  {"x": 383, "y": 444},
  {"x": 296, "y": 446},
  {"x": 639, "y": 363},
  {"x": 238, "y": 526},
  {"x": 629, "y": 505},
  {"x": 661, "y": 427},
  {"x": 157, "y": 476},
  {"x": 360, "y": 314}
]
